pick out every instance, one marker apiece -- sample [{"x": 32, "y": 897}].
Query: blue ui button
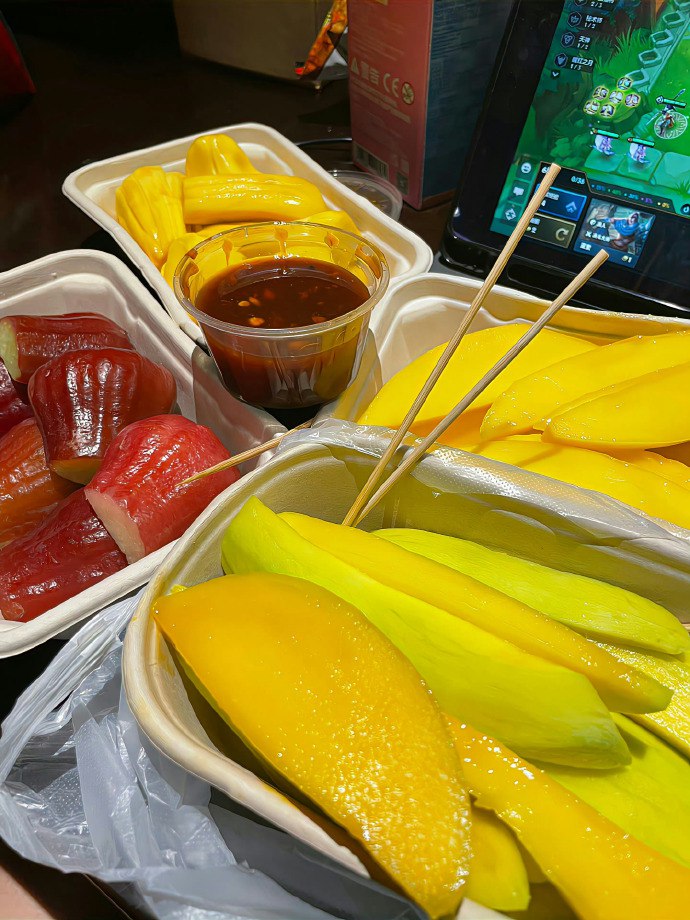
[{"x": 562, "y": 202}]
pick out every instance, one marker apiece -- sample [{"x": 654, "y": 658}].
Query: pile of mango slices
[
  {"x": 482, "y": 726},
  {"x": 169, "y": 213},
  {"x": 611, "y": 418}
]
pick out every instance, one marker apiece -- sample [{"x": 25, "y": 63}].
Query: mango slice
[
  {"x": 529, "y": 402},
  {"x": 673, "y": 723},
  {"x": 592, "y": 607},
  {"x": 604, "y": 873},
  {"x": 356, "y": 731},
  {"x": 543, "y": 708},
  {"x": 591, "y": 469},
  {"x": 475, "y": 355},
  {"x": 669, "y": 469},
  {"x": 621, "y": 688},
  {"x": 498, "y": 878},
  {"x": 649, "y": 798},
  {"x": 649, "y": 411},
  {"x": 678, "y": 452}
]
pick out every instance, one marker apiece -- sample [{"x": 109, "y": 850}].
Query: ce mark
[{"x": 391, "y": 85}]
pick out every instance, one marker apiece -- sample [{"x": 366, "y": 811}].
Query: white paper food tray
[
  {"x": 84, "y": 280},
  {"x": 92, "y": 188},
  {"x": 420, "y": 313},
  {"x": 320, "y": 474}
]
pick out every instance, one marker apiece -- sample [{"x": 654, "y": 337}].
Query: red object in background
[{"x": 15, "y": 81}]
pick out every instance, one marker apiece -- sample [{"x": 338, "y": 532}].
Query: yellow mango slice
[
  {"x": 649, "y": 411},
  {"x": 498, "y": 878},
  {"x": 592, "y": 607},
  {"x": 339, "y": 219},
  {"x": 528, "y": 402},
  {"x": 302, "y": 677},
  {"x": 673, "y": 723},
  {"x": 621, "y": 688},
  {"x": 604, "y": 873},
  {"x": 543, "y": 708},
  {"x": 591, "y": 469},
  {"x": 677, "y": 452},
  {"x": 669, "y": 469},
  {"x": 475, "y": 355},
  {"x": 649, "y": 798}
]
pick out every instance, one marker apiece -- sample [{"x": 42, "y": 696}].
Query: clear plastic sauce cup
[{"x": 284, "y": 367}]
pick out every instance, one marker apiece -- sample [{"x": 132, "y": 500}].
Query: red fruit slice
[
  {"x": 28, "y": 489},
  {"x": 67, "y": 552},
  {"x": 137, "y": 494},
  {"x": 83, "y": 399},
  {"x": 27, "y": 342},
  {"x": 13, "y": 409}
]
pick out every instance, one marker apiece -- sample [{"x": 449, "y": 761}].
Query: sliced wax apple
[
  {"x": 137, "y": 492},
  {"x": 28, "y": 489},
  {"x": 13, "y": 409},
  {"x": 66, "y": 553},
  {"x": 83, "y": 399},
  {"x": 27, "y": 342}
]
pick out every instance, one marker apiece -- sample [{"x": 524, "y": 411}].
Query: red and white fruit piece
[
  {"x": 27, "y": 342},
  {"x": 13, "y": 409},
  {"x": 83, "y": 399},
  {"x": 137, "y": 492},
  {"x": 28, "y": 489},
  {"x": 66, "y": 553}
]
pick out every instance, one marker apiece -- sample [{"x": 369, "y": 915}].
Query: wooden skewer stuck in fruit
[
  {"x": 245, "y": 455},
  {"x": 354, "y": 514},
  {"x": 418, "y": 452}
]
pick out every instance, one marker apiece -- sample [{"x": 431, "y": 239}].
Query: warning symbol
[
  {"x": 354, "y": 67},
  {"x": 407, "y": 93}
]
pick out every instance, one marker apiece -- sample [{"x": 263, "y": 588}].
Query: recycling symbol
[{"x": 407, "y": 93}]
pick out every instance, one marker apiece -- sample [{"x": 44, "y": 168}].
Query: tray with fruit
[
  {"x": 105, "y": 406},
  {"x": 596, "y": 401},
  {"x": 158, "y": 202},
  {"x": 474, "y": 699}
]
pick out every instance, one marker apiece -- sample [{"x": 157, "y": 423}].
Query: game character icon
[
  {"x": 624, "y": 83},
  {"x": 603, "y": 145},
  {"x": 600, "y": 92},
  {"x": 607, "y": 111},
  {"x": 626, "y": 230},
  {"x": 592, "y": 107},
  {"x": 632, "y": 100},
  {"x": 638, "y": 153},
  {"x": 670, "y": 123},
  {"x": 616, "y": 97}
]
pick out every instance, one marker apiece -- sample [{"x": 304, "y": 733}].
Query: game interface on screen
[{"x": 612, "y": 108}]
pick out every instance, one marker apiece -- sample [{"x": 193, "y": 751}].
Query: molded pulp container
[
  {"x": 81, "y": 281},
  {"x": 92, "y": 188},
  {"x": 450, "y": 492}
]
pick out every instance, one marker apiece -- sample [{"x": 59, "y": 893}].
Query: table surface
[{"x": 109, "y": 81}]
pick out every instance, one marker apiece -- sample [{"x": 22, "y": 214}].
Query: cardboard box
[
  {"x": 264, "y": 36},
  {"x": 418, "y": 73}
]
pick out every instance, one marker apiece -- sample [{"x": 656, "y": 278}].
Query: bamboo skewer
[
  {"x": 245, "y": 455},
  {"x": 420, "y": 449},
  {"x": 353, "y": 515}
]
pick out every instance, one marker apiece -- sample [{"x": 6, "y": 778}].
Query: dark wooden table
[{"x": 110, "y": 78}]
